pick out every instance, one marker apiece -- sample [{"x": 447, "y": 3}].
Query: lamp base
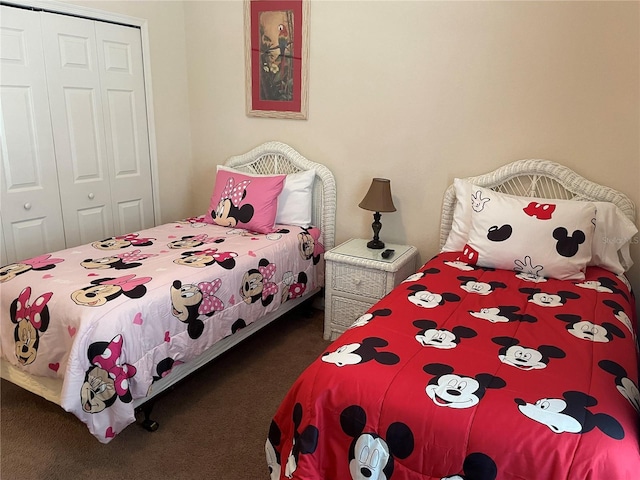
[{"x": 375, "y": 244}]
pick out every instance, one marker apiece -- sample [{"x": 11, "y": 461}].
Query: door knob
[
  {"x": 91, "y": 195},
  {"x": 27, "y": 206}
]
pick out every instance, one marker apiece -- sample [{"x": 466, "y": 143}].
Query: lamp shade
[{"x": 378, "y": 198}]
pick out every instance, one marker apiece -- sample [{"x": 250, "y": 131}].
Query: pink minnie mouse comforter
[
  {"x": 112, "y": 317},
  {"x": 471, "y": 373}
]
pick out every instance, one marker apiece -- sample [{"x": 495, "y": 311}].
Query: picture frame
[{"x": 277, "y": 58}]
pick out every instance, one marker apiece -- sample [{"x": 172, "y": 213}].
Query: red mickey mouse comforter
[
  {"x": 112, "y": 317},
  {"x": 471, "y": 373}
]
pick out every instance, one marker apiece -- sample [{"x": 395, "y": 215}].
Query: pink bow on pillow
[{"x": 235, "y": 193}]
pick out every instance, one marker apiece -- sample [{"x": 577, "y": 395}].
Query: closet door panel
[
  {"x": 4, "y": 259},
  {"x": 120, "y": 62},
  {"x": 31, "y": 212},
  {"x": 93, "y": 224},
  {"x": 78, "y": 127}
]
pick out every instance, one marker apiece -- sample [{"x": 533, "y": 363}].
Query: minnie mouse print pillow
[{"x": 243, "y": 201}]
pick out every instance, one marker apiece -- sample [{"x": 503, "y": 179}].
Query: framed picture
[{"x": 277, "y": 60}]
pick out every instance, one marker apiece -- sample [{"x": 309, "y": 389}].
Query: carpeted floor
[{"x": 212, "y": 426}]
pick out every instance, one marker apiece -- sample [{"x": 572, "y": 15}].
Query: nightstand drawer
[
  {"x": 346, "y": 310},
  {"x": 359, "y": 281}
]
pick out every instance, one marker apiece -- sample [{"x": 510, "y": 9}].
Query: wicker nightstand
[{"x": 357, "y": 277}]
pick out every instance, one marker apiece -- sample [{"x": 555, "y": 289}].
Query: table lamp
[{"x": 378, "y": 199}]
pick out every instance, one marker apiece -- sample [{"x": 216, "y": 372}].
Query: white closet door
[
  {"x": 73, "y": 77},
  {"x": 125, "y": 121},
  {"x": 3, "y": 246},
  {"x": 30, "y": 203}
]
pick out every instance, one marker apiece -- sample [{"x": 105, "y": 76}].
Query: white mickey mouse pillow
[{"x": 541, "y": 237}]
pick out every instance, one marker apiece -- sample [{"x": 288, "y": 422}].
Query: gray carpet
[{"x": 212, "y": 426}]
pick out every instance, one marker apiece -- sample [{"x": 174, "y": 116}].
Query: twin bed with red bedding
[{"x": 470, "y": 369}]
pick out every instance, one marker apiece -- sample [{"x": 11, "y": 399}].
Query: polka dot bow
[
  {"x": 31, "y": 313},
  {"x": 267, "y": 272},
  {"x": 235, "y": 193},
  {"x": 210, "y": 303},
  {"x": 296, "y": 290},
  {"x": 134, "y": 256},
  {"x": 109, "y": 360}
]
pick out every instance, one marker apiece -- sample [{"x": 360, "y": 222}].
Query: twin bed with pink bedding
[{"x": 102, "y": 328}]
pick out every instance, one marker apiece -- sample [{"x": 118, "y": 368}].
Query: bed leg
[
  {"x": 306, "y": 308},
  {"x": 147, "y": 423}
]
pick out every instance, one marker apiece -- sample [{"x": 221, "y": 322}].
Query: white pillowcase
[
  {"x": 295, "y": 200},
  {"x": 613, "y": 233},
  {"x": 461, "y": 217},
  {"x": 542, "y": 237},
  {"x": 610, "y": 244}
]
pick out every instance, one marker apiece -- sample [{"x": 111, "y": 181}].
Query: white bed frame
[
  {"x": 537, "y": 178},
  {"x": 268, "y": 158}
]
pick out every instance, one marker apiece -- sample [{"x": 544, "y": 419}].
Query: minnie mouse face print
[
  {"x": 31, "y": 320},
  {"x": 104, "y": 290},
  {"x": 309, "y": 244},
  {"x": 190, "y": 301},
  {"x": 42, "y": 262},
  {"x": 229, "y": 211},
  {"x": 123, "y": 241},
  {"x": 122, "y": 261},
  {"x": 107, "y": 379},
  {"x": 257, "y": 283},
  {"x": 207, "y": 257}
]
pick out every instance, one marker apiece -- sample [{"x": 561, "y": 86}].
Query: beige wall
[
  {"x": 421, "y": 92},
  {"x": 415, "y": 91}
]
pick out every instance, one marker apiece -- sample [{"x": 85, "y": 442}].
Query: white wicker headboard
[
  {"x": 279, "y": 158},
  {"x": 537, "y": 178}
]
